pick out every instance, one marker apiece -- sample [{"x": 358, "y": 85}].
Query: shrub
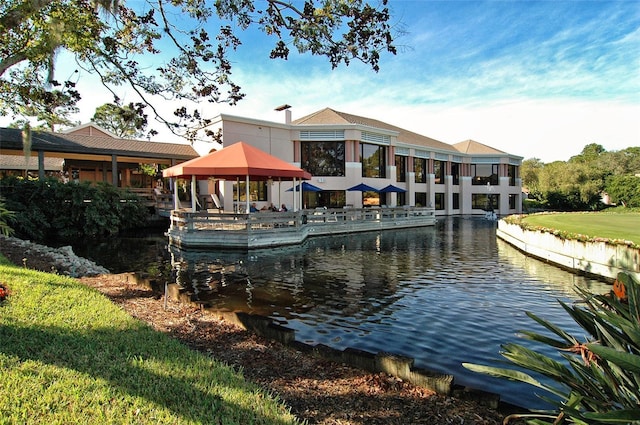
[
  {"x": 51, "y": 210},
  {"x": 599, "y": 380},
  {"x": 5, "y": 216}
]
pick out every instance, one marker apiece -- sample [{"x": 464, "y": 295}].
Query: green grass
[
  {"x": 69, "y": 356},
  {"x": 621, "y": 226}
]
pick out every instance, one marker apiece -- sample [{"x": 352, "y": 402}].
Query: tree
[
  {"x": 111, "y": 40},
  {"x": 571, "y": 186},
  {"x": 589, "y": 153},
  {"x": 127, "y": 122},
  {"x": 624, "y": 190},
  {"x": 530, "y": 173}
]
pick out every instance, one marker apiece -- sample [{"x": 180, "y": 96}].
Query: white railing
[{"x": 214, "y": 229}]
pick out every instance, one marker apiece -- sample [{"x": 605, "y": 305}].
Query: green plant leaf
[
  {"x": 553, "y": 328},
  {"x": 582, "y": 317},
  {"x": 535, "y": 361},
  {"x": 614, "y": 416},
  {"x": 511, "y": 374},
  {"x": 610, "y": 337},
  {"x": 534, "y": 336},
  {"x": 632, "y": 333},
  {"x": 627, "y": 361}
]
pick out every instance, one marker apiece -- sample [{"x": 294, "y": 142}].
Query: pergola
[{"x": 236, "y": 161}]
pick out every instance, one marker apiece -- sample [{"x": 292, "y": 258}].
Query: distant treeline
[{"x": 591, "y": 180}]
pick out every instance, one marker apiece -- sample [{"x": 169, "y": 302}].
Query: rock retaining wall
[{"x": 600, "y": 259}]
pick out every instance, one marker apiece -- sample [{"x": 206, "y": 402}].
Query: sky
[{"x": 536, "y": 79}]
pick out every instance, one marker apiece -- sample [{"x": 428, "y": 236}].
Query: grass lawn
[
  {"x": 70, "y": 356},
  {"x": 625, "y": 226}
]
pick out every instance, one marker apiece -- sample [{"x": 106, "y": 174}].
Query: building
[
  {"x": 341, "y": 150},
  {"x": 87, "y": 153}
]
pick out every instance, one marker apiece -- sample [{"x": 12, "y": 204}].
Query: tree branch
[
  {"x": 16, "y": 16},
  {"x": 11, "y": 61}
]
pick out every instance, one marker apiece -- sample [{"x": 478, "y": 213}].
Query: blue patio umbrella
[
  {"x": 362, "y": 188},
  {"x": 306, "y": 187},
  {"x": 392, "y": 188}
]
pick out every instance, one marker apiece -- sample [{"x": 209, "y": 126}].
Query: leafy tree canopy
[
  {"x": 579, "y": 183},
  {"x": 624, "y": 190},
  {"x": 127, "y": 122},
  {"x": 589, "y": 153},
  {"x": 529, "y": 171},
  {"x": 111, "y": 39}
]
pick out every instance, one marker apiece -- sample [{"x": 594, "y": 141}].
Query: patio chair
[{"x": 216, "y": 202}]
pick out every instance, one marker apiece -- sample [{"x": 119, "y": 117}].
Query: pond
[{"x": 444, "y": 294}]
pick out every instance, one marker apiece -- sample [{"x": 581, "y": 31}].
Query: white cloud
[{"x": 549, "y": 129}]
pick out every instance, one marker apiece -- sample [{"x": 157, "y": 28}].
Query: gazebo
[{"x": 237, "y": 161}]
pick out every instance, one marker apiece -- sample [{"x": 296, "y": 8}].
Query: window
[
  {"x": 512, "y": 172},
  {"x": 513, "y": 198},
  {"x": 420, "y": 168},
  {"x": 373, "y": 160},
  {"x": 455, "y": 173},
  {"x": 456, "y": 201},
  {"x": 326, "y": 198},
  {"x": 482, "y": 201},
  {"x": 401, "y": 168},
  {"x": 370, "y": 199},
  {"x": 439, "y": 201},
  {"x": 257, "y": 191},
  {"x": 438, "y": 170},
  {"x": 484, "y": 174},
  {"x": 323, "y": 158},
  {"x": 386, "y": 199},
  {"x": 421, "y": 199}
]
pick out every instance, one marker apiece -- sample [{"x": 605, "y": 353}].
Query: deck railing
[{"x": 219, "y": 229}]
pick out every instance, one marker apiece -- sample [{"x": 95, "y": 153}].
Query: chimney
[{"x": 287, "y": 112}]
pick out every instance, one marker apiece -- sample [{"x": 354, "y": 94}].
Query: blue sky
[{"x": 533, "y": 78}]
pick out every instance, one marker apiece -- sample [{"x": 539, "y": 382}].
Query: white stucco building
[{"x": 341, "y": 150}]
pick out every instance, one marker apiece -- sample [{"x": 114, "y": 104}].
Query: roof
[
  {"x": 329, "y": 116},
  {"x": 237, "y": 160},
  {"x": 11, "y": 139},
  {"x": 89, "y": 129},
  {"x": 17, "y": 162},
  {"x": 472, "y": 147}
]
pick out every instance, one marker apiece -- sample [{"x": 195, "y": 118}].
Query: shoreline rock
[{"x": 61, "y": 260}]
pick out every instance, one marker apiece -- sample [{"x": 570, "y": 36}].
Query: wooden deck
[{"x": 209, "y": 229}]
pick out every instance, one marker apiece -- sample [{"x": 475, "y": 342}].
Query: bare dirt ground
[{"x": 317, "y": 391}]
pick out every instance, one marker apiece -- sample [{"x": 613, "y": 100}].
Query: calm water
[{"x": 444, "y": 295}]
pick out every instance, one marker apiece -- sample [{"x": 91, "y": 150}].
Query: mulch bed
[{"x": 316, "y": 390}]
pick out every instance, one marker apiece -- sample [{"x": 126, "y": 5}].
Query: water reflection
[{"x": 444, "y": 295}]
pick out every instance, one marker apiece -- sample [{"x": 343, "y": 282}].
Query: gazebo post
[
  {"x": 246, "y": 189},
  {"x": 294, "y": 195},
  {"x": 193, "y": 193},
  {"x": 176, "y": 201},
  {"x": 236, "y": 207}
]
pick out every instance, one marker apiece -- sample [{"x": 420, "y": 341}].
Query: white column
[
  {"x": 246, "y": 190},
  {"x": 193, "y": 193},
  {"x": 176, "y": 201}
]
